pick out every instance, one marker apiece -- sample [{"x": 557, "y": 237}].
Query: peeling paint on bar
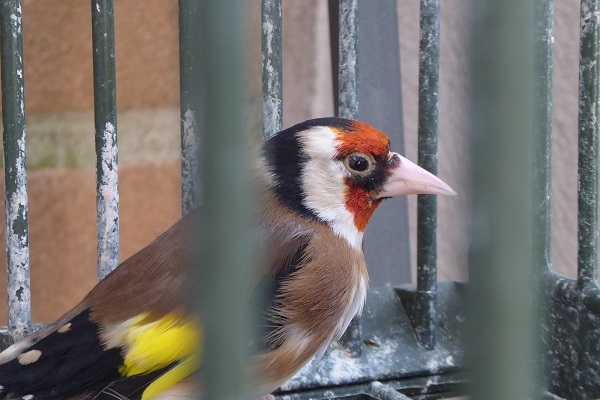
[
  {"x": 107, "y": 201},
  {"x": 272, "y": 68},
  {"x": 13, "y": 117},
  {"x": 348, "y": 63},
  {"x": 191, "y": 106},
  {"x": 17, "y": 249},
  {"x": 190, "y": 146},
  {"x": 105, "y": 115}
]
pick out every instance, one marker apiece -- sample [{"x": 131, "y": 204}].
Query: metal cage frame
[{"x": 409, "y": 342}]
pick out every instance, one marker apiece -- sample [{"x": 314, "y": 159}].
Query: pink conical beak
[{"x": 408, "y": 178}]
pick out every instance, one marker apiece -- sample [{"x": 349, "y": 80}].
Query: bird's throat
[{"x": 360, "y": 203}]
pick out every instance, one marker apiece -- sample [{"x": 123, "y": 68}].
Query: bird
[{"x": 133, "y": 337}]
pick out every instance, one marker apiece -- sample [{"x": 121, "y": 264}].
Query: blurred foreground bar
[
  {"x": 225, "y": 276},
  {"x": 502, "y": 316}
]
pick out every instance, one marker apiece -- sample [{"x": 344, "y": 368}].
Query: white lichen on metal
[
  {"x": 348, "y": 62},
  {"x": 107, "y": 201},
  {"x": 190, "y": 147}
]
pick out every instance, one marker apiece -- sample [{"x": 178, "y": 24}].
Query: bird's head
[{"x": 338, "y": 171}]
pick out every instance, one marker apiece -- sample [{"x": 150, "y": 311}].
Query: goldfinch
[{"x": 132, "y": 337}]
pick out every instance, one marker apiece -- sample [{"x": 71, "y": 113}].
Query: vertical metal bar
[
  {"x": 15, "y": 177},
  {"x": 429, "y": 65},
  {"x": 348, "y": 59},
  {"x": 105, "y": 115},
  {"x": 348, "y": 108},
  {"x": 542, "y": 193},
  {"x": 587, "y": 202},
  {"x": 190, "y": 103},
  {"x": 226, "y": 248},
  {"x": 542, "y": 159},
  {"x": 334, "y": 44},
  {"x": 502, "y": 317},
  {"x": 272, "y": 67},
  {"x": 589, "y": 110}
]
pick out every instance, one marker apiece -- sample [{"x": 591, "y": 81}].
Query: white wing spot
[
  {"x": 29, "y": 357},
  {"x": 27, "y": 397},
  {"x": 65, "y": 328}
]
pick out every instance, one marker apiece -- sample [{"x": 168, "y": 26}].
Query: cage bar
[
  {"x": 542, "y": 145},
  {"x": 587, "y": 202},
  {"x": 15, "y": 177},
  {"x": 105, "y": 117},
  {"x": 542, "y": 167},
  {"x": 589, "y": 109},
  {"x": 429, "y": 65},
  {"x": 190, "y": 83},
  {"x": 347, "y": 97},
  {"x": 227, "y": 260},
  {"x": 348, "y": 59},
  {"x": 502, "y": 342},
  {"x": 272, "y": 67}
]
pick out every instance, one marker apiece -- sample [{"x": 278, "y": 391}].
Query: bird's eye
[{"x": 358, "y": 163}]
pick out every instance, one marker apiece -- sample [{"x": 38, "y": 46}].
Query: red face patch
[
  {"x": 360, "y": 204},
  {"x": 362, "y": 138}
]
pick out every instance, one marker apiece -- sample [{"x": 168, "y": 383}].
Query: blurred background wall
[{"x": 60, "y": 129}]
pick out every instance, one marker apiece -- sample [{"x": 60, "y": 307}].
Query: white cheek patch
[
  {"x": 323, "y": 183},
  {"x": 319, "y": 142}
]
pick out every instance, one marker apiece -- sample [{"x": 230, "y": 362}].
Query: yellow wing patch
[{"x": 154, "y": 345}]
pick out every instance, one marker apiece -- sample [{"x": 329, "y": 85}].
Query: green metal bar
[
  {"x": 429, "y": 64},
  {"x": 15, "y": 177},
  {"x": 334, "y": 49},
  {"x": 272, "y": 67},
  {"x": 542, "y": 167},
  {"x": 347, "y": 79},
  {"x": 348, "y": 59},
  {"x": 542, "y": 200},
  {"x": 502, "y": 317},
  {"x": 227, "y": 258},
  {"x": 105, "y": 116},
  {"x": 190, "y": 103},
  {"x": 587, "y": 228}
]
